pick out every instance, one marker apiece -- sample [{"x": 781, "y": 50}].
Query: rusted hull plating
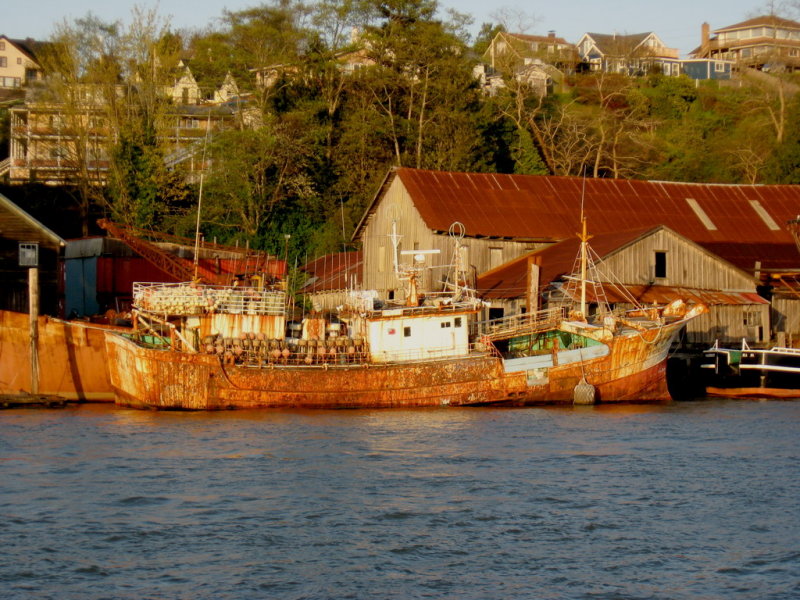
[
  {"x": 633, "y": 371},
  {"x": 171, "y": 380},
  {"x": 72, "y": 359}
]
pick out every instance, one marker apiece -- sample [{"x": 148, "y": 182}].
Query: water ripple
[{"x": 694, "y": 500}]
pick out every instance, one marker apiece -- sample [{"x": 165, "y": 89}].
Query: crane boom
[{"x": 182, "y": 269}]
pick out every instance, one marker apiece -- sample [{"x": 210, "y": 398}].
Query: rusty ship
[{"x": 210, "y": 347}]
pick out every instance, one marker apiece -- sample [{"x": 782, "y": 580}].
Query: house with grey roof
[{"x": 628, "y": 54}]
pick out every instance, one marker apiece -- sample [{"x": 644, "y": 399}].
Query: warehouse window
[
  {"x": 752, "y": 318},
  {"x": 495, "y": 257},
  {"x": 661, "y": 264},
  {"x": 29, "y": 254}
]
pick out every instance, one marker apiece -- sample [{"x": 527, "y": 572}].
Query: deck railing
[
  {"x": 186, "y": 299},
  {"x": 517, "y": 325}
]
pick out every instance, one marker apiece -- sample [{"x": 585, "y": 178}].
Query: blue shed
[{"x": 705, "y": 68}]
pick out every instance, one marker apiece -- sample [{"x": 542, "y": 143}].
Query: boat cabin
[{"x": 414, "y": 333}]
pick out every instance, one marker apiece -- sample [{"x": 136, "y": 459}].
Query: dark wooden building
[{"x": 26, "y": 243}]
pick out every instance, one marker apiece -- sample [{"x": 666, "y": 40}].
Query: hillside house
[
  {"x": 184, "y": 90},
  {"x": 55, "y": 142},
  {"x": 18, "y": 63},
  {"x": 767, "y": 42},
  {"x": 507, "y": 216},
  {"x": 538, "y": 61},
  {"x": 629, "y": 54}
]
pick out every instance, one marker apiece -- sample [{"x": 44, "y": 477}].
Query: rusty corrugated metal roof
[
  {"x": 548, "y": 208},
  {"x": 662, "y": 294},
  {"x": 339, "y": 271},
  {"x": 510, "y": 280}
]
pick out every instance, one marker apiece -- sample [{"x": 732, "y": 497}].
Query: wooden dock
[{"x": 32, "y": 401}]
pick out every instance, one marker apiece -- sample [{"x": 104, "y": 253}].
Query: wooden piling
[{"x": 33, "y": 310}]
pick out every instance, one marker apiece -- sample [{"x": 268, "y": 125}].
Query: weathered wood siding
[
  {"x": 328, "y": 300},
  {"x": 687, "y": 265},
  {"x": 730, "y": 324},
  {"x": 14, "y": 278},
  {"x": 397, "y": 206},
  {"x": 786, "y": 318}
]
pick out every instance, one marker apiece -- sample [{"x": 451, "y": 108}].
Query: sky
[{"x": 676, "y": 22}]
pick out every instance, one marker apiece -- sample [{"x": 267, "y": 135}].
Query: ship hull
[
  {"x": 749, "y": 373},
  {"x": 633, "y": 371},
  {"x": 72, "y": 359},
  {"x": 146, "y": 377}
]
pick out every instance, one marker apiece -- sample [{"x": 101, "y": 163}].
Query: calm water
[{"x": 691, "y": 500}]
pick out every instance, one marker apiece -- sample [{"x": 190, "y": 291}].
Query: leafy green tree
[
  {"x": 527, "y": 160},
  {"x": 255, "y": 174},
  {"x": 253, "y": 40},
  {"x": 784, "y": 165}
]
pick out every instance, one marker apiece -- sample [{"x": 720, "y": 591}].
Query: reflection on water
[{"x": 685, "y": 500}]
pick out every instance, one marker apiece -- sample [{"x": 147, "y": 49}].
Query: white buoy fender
[{"x": 584, "y": 393}]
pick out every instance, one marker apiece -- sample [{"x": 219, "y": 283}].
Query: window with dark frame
[
  {"x": 406, "y": 331},
  {"x": 661, "y": 264}
]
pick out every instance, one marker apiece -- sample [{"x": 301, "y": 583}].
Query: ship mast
[
  {"x": 584, "y": 238},
  {"x": 584, "y": 260}
]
